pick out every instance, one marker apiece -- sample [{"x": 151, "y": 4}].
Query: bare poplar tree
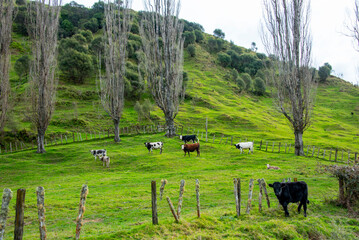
[
  {"x": 118, "y": 25},
  {"x": 43, "y": 28},
  {"x": 288, "y": 39},
  {"x": 161, "y": 32},
  {"x": 6, "y": 18},
  {"x": 353, "y": 25}
]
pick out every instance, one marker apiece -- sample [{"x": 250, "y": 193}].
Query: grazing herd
[{"x": 285, "y": 192}]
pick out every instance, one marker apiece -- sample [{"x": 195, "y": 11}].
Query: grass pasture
[{"x": 119, "y": 201}]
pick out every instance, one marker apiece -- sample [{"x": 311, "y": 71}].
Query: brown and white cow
[{"x": 187, "y": 148}]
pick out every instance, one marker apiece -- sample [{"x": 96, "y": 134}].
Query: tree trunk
[
  {"x": 299, "y": 150},
  {"x": 171, "y": 132},
  {"x": 41, "y": 141},
  {"x": 117, "y": 130}
]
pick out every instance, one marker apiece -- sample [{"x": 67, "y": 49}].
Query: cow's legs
[
  {"x": 160, "y": 150},
  {"x": 285, "y": 207},
  {"x": 305, "y": 208},
  {"x": 300, "y": 206}
]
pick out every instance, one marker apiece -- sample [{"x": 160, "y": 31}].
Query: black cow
[
  {"x": 291, "y": 193},
  {"x": 187, "y": 138}
]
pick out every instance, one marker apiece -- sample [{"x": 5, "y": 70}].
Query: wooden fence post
[
  {"x": 154, "y": 203},
  {"x": 260, "y": 195},
  {"x": 286, "y": 145},
  {"x": 336, "y": 154},
  {"x": 264, "y": 185},
  {"x": 84, "y": 192},
  {"x": 66, "y": 138},
  {"x": 180, "y": 199},
  {"x": 162, "y": 188},
  {"x": 295, "y": 180},
  {"x": 356, "y": 157},
  {"x": 206, "y": 129},
  {"x": 307, "y": 150},
  {"x": 348, "y": 156},
  {"x": 6, "y": 197},
  {"x": 214, "y": 135},
  {"x": 330, "y": 154},
  {"x": 232, "y": 140},
  {"x": 197, "y": 198},
  {"x": 10, "y": 148},
  {"x": 172, "y": 209},
  {"x": 342, "y": 155},
  {"x": 324, "y": 154},
  {"x": 273, "y": 147},
  {"x": 19, "y": 219},
  {"x": 249, "y": 203},
  {"x": 279, "y": 148},
  {"x": 40, "y": 193},
  {"x": 237, "y": 195},
  {"x": 221, "y": 139}
]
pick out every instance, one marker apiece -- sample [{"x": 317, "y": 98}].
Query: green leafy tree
[
  {"x": 191, "y": 50},
  {"x": 92, "y": 25},
  {"x": 190, "y": 38},
  {"x": 241, "y": 84},
  {"x": 259, "y": 86},
  {"x": 87, "y": 34},
  {"x": 22, "y": 66},
  {"x": 234, "y": 74},
  {"x": 248, "y": 81},
  {"x": 323, "y": 73},
  {"x": 224, "y": 59},
  {"x": 199, "y": 35},
  {"x": 218, "y": 33},
  {"x": 66, "y": 29}
]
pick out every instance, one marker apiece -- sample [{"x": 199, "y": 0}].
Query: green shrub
[
  {"x": 191, "y": 50},
  {"x": 248, "y": 81},
  {"x": 224, "y": 59},
  {"x": 259, "y": 86}
]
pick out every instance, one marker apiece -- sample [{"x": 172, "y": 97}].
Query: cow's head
[
  {"x": 238, "y": 146},
  {"x": 182, "y": 147},
  {"x": 146, "y": 144},
  {"x": 181, "y": 137},
  {"x": 277, "y": 187},
  {"x": 92, "y": 152}
]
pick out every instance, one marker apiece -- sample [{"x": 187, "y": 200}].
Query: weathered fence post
[
  {"x": 348, "y": 156},
  {"x": 6, "y": 197},
  {"x": 356, "y": 157},
  {"x": 307, "y": 150},
  {"x": 19, "y": 218},
  {"x": 273, "y": 147},
  {"x": 237, "y": 195},
  {"x": 84, "y": 192},
  {"x": 330, "y": 154},
  {"x": 206, "y": 129},
  {"x": 324, "y": 154},
  {"x": 162, "y": 188},
  {"x": 221, "y": 139},
  {"x": 264, "y": 185},
  {"x": 10, "y": 148},
  {"x": 197, "y": 198},
  {"x": 290, "y": 145},
  {"x": 295, "y": 180},
  {"x": 279, "y": 147},
  {"x": 286, "y": 145},
  {"x": 172, "y": 209},
  {"x": 260, "y": 195},
  {"x": 336, "y": 154},
  {"x": 214, "y": 136},
  {"x": 66, "y": 138},
  {"x": 154, "y": 203},
  {"x": 342, "y": 155},
  {"x": 232, "y": 140},
  {"x": 40, "y": 193},
  {"x": 249, "y": 203},
  {"x": 180, "y": 199}
]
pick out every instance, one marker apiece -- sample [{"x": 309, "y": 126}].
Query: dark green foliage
[
  {"x": 97, "y": 45},
  {"x": 135, "y": 29},
  {"x": 224, "y": 59},
  {"x": 240, "y": 84},
  {"x": 323, "y": 73},
  {"x": 22, "y": 66},
  {"x": 19, "y": 21},
  {"x": 199, "y": 35},
  {"x": 92, "y": 25},
  {"x": 234, "y": 59},
  {"x": 247, "y": 80},
  {"x": 215, "y": 45},
  {"x": 249, "y": 63},
  {"x": 190, "y": 38},
  {"x": 134, "y": 85},
  {"x": 261, "y": 56},
  {"x": 218, "y": 33},
  {"x": 234, "y": 74},
  {"x": 66, "y": 29},
  {"x": 259, "y": 86},
  {"x": 235, "y": 48},
  {"x": 75, "y": 62},
  {"x": 192, "y": 26},
  {"x": 88, "y": 35},
  {"x": 328, "y": 66},
  {"x": 191, "y": 50}
]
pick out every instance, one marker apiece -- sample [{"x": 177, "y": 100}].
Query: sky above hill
[{"x": 240, "y": 21}]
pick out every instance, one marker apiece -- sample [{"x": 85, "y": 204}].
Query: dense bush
[
  {"x": 22, "y": 66},
  {"x": 224, "y": 59},
  {"x": 189, "y": 38},
  {"x": 259, "y": 86},
  {"x": 324, "y": 72},
  {"x": 191, "y": 50},
  {"x": 248, "y": 81},
  {"x": 215, "y": 45},
  {"x": 218, "y": 33},
  {"x": 241, "y": 84},
  {"x": 199, "y": 35}
]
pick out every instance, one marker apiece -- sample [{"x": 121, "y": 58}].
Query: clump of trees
[{"x": 324, "y": 72}]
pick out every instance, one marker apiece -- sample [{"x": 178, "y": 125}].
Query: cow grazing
[
  {"x": 105, "y": 160},
  {"x": 187, "y": 148},
  {"x": 98, "y": 153},
  {"x": 154, "y": 145},
  {"x": 291, "y": 193},
  {"x": 245, "y": 145},
  {"x": 187, "y": 138},
  {"x": 272, "y": 167}
]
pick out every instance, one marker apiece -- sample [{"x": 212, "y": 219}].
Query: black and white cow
[
  {"x": 244, "y": 145},
  {"x": 154, "y": 145},
  {"x": 187, "y": 138},
  {"x": 98, "y": 153},
  {"x": 291, "y": 192}
]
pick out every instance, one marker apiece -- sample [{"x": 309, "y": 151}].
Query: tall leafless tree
[
  {"x": 162, "y": 39},
  {"x": 43, "y": 28},
  {"x": 288, "y": 39},
  {"x": 118, "y": 25},
  {"x": 353, "y": 25},
  {"x": 6, "y": 18}
]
